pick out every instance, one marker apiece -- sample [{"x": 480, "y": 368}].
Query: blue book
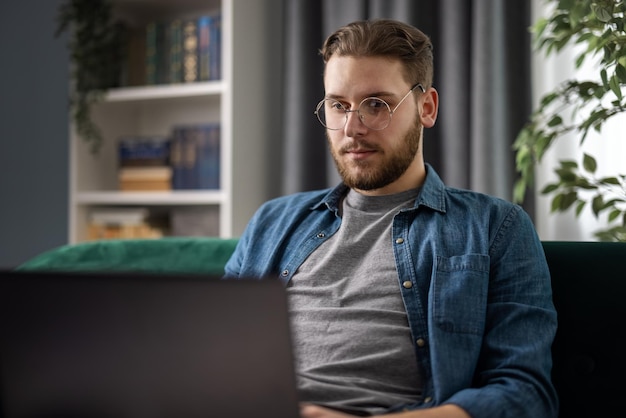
[
  {"x": 215, "y": 48},
  {"x": 176, "y": 158},
  {"x": 143, "y": 151},
  {"x": 208, "y": 157},
  {"x": 204, "y": 41}
]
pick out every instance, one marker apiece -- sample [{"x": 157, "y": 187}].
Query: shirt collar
[{"x": 432, "y": 194}]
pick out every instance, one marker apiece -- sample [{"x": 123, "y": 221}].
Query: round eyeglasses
[{"x": 373, "y": 112}]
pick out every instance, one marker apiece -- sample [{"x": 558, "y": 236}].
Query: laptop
[{"x": 136, "y": 345}]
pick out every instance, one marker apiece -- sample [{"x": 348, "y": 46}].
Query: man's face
[{"x": 371, "y": 161}]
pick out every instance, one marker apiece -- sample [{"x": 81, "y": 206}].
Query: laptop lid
[{"x": 133, "y": 345}]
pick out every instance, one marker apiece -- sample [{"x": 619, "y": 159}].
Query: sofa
[{"x": 588, "y": 281}]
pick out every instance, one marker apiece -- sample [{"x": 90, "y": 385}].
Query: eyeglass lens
[{"x": 373, "y": 113}]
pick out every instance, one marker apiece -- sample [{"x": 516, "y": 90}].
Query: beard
[{"x": 370, "y": 175}]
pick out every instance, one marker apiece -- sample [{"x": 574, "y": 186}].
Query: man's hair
[{"x": 386, "y": 38}]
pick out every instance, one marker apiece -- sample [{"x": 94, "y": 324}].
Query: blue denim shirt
[{"x": 474, "y": 280}]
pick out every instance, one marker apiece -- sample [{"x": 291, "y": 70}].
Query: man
[{"x": 408, "y": 298}]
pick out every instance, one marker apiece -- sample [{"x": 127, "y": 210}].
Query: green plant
[
  {"x": 96, "y": 55},
  {"x": 577, "y": 107}
]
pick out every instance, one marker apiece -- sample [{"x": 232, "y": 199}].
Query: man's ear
[{"x": 429, "y": 107}]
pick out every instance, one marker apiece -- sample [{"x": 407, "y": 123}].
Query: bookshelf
[{"x": 237, "y": 101}]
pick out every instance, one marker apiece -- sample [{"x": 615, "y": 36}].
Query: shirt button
[
  {"x": 285, "y": 273},
  {"x": 399, "y": 240},
  {"x": 427, "y": 399},
  {"x": 321, "y": 235},
  {"x": 420, "y": 342},
  {"x": 407, "y": 285}
]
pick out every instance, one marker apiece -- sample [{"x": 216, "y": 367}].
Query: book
[
  {"x": 118, "y": 216},
  {"x": 176, "y": 158},
  {"x": 150, "y": 178},
  {"x": 209, "y": 47},
  {"x": 143, "y": 151},
  {"x": 175, "y": 51},
  {"x": 135, "y": 67},
  {"x": 122, "y": 223},
  {"x": 145, "y": 185},
  {"x": 204, "y": 41},
  {"x": 215, "y": 47},
  {"x": 207, "y": 168},
  {"x": 190, "y": 51},
  {"x": 151, "y": 53},
  {"x": 157, "y": 54},
  {"x": 196, "y": 156},
  {"x": 150, "y": 173}
]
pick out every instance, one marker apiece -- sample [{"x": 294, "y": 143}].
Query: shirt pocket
[{"x": 459, "y": 293}]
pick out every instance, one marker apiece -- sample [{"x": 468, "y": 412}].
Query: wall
[{"x": 34, "y": 77}]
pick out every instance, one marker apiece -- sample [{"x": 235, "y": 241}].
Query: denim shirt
[{"x": 474, "y": 280}]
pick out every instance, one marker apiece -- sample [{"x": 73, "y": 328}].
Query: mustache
[{"x": 358, "y": 146}]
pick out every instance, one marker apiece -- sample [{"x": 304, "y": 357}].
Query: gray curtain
[{"x": 482, "y": 72}]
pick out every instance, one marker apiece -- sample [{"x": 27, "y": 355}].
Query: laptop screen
[{"x": 133, "y": 345}]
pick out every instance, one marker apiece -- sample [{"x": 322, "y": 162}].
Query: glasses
[{"x": 373, "y": 112}]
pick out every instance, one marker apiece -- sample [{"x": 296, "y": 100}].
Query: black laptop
[{"x": 136, "y": 345}]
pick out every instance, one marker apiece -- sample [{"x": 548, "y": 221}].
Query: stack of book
[
  {"x": 144, "y": 163},
  {"x": 121, "y": 223}
]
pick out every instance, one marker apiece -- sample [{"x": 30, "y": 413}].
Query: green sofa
[{"x": 588, "y": 280}]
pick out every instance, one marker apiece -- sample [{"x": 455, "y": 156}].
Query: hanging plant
[{"x": 95, "y": 45}]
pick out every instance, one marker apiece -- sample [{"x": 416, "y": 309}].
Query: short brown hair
[{"x": 388, "y": 38}]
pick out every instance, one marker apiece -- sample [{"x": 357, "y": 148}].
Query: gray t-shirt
[{"x": 352, "y": 340}]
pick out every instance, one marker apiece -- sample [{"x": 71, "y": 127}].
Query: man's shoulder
[
  {"x": 472, "y": 197},
  {"x": 480, "y": 207},
  {"x": 440, "y": 196}
]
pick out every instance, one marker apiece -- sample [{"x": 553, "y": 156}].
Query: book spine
[
  {"x": 215, "y": 48},
  {"x": 176, "y": 158},
  {"x": 162, "y": 53},
  {"x": 175, "y": 46},
  {"x": 204, "y": 43},
  {"x": 208, "y": 162},
  {"x": 136, "y": 57},
  {"x": 136, "y": 151},
  {"x": 190, "y": 157},
  {"x": 190, "y": 51},
  {"x": 151, "y": 53}
]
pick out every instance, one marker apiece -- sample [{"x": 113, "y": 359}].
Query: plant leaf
[
  {"x": 589, "y": 163},
  {"x": 615, "y": 87}
]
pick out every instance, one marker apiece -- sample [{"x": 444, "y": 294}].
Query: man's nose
[{"x": 354, "y": 123}]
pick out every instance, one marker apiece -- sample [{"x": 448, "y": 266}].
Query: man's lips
[{"x": 359, "y": 153}]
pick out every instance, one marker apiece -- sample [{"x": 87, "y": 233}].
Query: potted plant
[
  {"x": 95, "y": 45},
  {"x": 579, "y": 106}
]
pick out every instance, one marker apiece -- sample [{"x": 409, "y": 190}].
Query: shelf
[
  {"x": 176, "y": 197},
  {"x": 248, "y": 77},
  {"x": 166, "y": 91}
]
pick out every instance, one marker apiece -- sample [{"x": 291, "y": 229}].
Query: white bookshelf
[{"x": 238, "y": 102}]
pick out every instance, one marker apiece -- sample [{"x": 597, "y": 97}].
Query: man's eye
[
  {"x": 336, "y": 106},
  {"x": 376, "y": 104},
  {"x": 373, "y": 106}
]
